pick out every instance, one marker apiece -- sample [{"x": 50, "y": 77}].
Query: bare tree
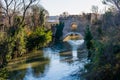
[
  {"x": 26, "y": 5},
  {"x": 0, "y": 10},
  {"x": 115, "y": 3},
  {"x": 13, "y": 7},
  {"x": 39, "y": 15},
  {"x": 95, "y": 9}
]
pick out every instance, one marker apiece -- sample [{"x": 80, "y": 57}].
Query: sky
[{"x": 57, "y": 7}]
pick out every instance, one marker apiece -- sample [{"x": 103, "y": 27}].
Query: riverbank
[{"x": 34, "y": 58}]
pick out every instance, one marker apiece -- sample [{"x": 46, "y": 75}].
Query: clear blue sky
[{"x": 57, "y": 7}]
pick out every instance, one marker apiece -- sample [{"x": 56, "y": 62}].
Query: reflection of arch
[{"x": 73, "y": 26}]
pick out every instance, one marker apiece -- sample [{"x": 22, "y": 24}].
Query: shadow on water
[{"x": 36, "y": 61}]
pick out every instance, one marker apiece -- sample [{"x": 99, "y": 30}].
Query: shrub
[{"x": 39, "y": 38}]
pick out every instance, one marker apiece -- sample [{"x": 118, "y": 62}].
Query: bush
[
  {"x": 17, "y": 43},
  {"x": 3, "y": 74},
  {"x": 39, "y": 38}
]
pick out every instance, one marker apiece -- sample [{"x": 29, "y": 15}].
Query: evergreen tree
[
  {"x": 59, "y": 30},
  {"x": 88, "y": 40}
]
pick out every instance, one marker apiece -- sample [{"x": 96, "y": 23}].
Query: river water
[{"x": 58, "y": 67}]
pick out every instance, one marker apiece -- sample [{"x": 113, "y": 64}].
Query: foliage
[
  {"x": 108, "y": 19},
  {"x": 88, "y": 37},
  {"x": 105, "y": 50},
  {"x": 59, "y": 30},
  {"x": 3, "y": 52},
  {"x": 97, "y": 51},
  {"x": 15, "y": 40},
  {"x": 39, "y": 38},
  {"x": 88, "y": 40},
  {"x": 20, "y": 41},
  {"x": 3, "y": 74},
  {"x": 16, "y": 20},
  {"x": 42, "y": 17},
  {"x": 17, "y": 43},
  {"x": 39, "y": 15},
  {"x": 3, "y": 36},
  {"x": 104, "y": 64},
  {"x": 3, "y": 49}
]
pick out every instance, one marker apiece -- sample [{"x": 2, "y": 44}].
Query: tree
[
  {"x": 17, "y": 43},
  {"x": 42, "y": 17},
  {"x": 39, "y": 38},
  {"x": 0, "y": 9},
  {"x": 20, "y": 41},
  {"x": 95, "y": 9},
  {"x": 15, "y": 7},
  {"x": 35, "y": 15},
  {"x": 39, "y": 14},
  {"x": 115, "y": 3},
  {"x": 88, "y": 39},
  {"x": 65, "y": 14},
  {"x": 59, "y": 29}
]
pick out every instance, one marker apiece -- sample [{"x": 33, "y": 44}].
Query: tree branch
[
  {"x": 10, "y": 3},
  {"x": 26, "y": 7}
]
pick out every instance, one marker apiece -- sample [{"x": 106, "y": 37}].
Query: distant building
[{"x": 52, "y": 21}]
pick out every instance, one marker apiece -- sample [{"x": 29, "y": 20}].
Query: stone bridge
[{"x": 74, "y": 27}]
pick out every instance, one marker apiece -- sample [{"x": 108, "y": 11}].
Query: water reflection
[
  {"x": 58, "y": 68},
  {"x": 75, "y": 45},
  {"x": 35, "y": 68}
]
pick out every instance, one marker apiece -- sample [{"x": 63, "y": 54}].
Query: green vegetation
[
  {"x": 3, "y": 74},
  {"x": 39, "y": 38},
  {"x": 104, "y": 48},
  {"x": 88, "y": 40},
  {"x": 59, "y": 30},
  {"x": 20, "y": 34},
  {"x": 19, "y": 44}
]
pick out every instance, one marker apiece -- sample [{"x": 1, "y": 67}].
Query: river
[{"x": 58, "y": 68}]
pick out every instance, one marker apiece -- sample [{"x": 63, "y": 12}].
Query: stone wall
[{"x": 69, "y": 20}]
